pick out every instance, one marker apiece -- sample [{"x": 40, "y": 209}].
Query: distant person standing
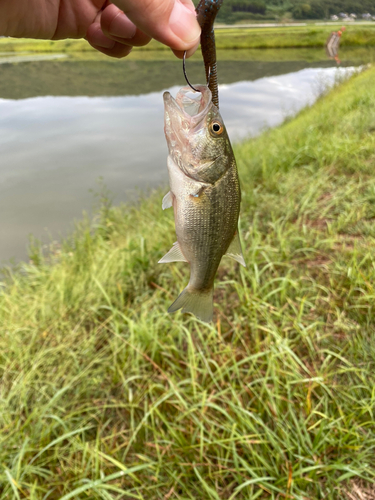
[
  {"x": 113, "y": 28},
  {"x": 333, "y": 44}
]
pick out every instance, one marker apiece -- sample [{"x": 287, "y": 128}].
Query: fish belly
[{"x": 206, "y": 218}]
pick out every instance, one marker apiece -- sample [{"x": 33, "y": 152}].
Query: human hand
[
  {"x": 172, "y": 22},
  {"x": 109, "y": 28}
]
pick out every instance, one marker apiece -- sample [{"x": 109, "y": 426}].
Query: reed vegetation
[{"x": 103, "y": 395}]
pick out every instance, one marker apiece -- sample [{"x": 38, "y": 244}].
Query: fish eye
[{"x": 216, "y": 127}]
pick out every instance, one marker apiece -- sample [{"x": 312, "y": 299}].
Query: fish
[{"x": 204, "y": 193}]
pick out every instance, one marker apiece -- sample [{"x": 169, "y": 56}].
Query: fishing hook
[{"x": 185, "y": 75}]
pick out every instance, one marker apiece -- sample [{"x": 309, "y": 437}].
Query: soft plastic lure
[{"x": 206, "y": 13}]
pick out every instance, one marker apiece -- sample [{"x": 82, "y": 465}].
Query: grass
[
  {"x": 103, "y": 395},
  {"x": 297, "y": 37},
  {"x": 356, "y": 35}
]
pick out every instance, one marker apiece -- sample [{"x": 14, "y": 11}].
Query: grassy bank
[
  {"x": 103, "y": 395},
  {"x": 234, "y": 38}
]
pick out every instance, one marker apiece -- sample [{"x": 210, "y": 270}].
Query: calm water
[{"x": 66, "y": 123}]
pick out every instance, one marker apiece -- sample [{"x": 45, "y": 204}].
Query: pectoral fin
[
  {"x": 197, "y": 191},
  {"x": 235, "y": 251},
  {"x": 174, "y": 255},
  {"x": 167, "y": 201}
]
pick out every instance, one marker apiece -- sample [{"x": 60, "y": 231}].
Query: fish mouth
[
  {"x": 190, "y": 106},
  {"x": 185, "y": 123}
]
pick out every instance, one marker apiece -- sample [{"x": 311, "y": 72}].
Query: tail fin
[{"x": 194, "y": 301}]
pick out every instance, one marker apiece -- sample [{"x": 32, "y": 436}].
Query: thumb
[{"x": 172, "y": 22}]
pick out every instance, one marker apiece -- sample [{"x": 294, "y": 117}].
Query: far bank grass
[
  {"x": 229, "y": 39},
  {"x": 103, "y": 395}
]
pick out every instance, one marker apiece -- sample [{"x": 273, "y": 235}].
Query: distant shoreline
[{"x": 261, "y": 36}]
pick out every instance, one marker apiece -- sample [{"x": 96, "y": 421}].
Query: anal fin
[
  {"x": 235, "y": 251},
  {"x": 174, "y": 255}
]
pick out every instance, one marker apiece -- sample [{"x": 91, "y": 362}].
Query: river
[{"x": 67, "y": 122}]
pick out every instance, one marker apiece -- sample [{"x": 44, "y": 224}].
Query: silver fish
[{"x": 204, "y": 192}]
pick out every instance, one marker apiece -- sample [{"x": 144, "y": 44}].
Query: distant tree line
[
  {"x": 241, "y": 10},
  {"x": 318, "y": 9}
]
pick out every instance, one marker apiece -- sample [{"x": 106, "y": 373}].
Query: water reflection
[
  {"x": 53, "y": 149},
  {"x": 70, "y": 77}
]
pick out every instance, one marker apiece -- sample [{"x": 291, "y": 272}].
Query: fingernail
[
  {"x": 122, "y": 27},
  {"x": 183, "y": 22},
  {"x": 98, "y": 38}
]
